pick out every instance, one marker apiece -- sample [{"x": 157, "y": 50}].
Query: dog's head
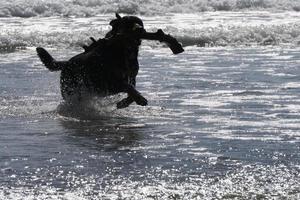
[{"x": 126, "y": 24}]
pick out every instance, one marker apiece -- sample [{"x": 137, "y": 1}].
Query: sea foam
[
  {"x": 203, "y": 29},
  {"x": 26, "y": 8}
]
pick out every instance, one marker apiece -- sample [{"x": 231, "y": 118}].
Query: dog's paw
[{"x": 142, "y": 101}]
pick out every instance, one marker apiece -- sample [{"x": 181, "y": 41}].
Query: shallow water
[{"x": 221, "y": 123}]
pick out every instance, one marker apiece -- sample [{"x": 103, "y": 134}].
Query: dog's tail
[{"x": 48, "y": 60}]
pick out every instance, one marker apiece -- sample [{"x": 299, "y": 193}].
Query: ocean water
[{"x": 223, "y": 118}]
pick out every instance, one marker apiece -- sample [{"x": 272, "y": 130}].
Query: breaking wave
[
  {"x": 239, "y": 35},
  {"x": 31, "y": 8},
  {"x": 243, "y": 35}
]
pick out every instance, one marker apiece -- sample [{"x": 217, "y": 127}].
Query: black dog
[{"x": 110, "y": 65}]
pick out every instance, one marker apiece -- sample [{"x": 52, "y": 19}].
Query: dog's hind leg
[{"x": 49, "y": 61}]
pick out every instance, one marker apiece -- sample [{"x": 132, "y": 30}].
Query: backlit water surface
[{"x": 222, "y": 123}]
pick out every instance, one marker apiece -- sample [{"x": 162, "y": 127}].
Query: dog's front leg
[
  {"x": 133, "y": 95},
  {"x": 124, "y": 103}
]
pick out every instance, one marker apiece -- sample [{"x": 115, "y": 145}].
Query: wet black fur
[{"x": 108, "y": 66}]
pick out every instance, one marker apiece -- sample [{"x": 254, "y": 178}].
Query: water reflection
[
  {"x": 102, "y": 130},
  {"x": 104, "y": 134}
]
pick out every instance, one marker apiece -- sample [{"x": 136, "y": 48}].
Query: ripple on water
[
  {"x": 248, "y": 182},
  {"x": 226, "y": 127}
]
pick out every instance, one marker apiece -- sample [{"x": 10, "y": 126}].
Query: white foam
[
  {"x": 25, "y": 8},
  {"x": 203, "y": 29}
]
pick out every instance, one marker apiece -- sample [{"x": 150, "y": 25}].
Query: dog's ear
[
  {"x": 115, "y": 22},
  {"x": 118, "y": 16}
]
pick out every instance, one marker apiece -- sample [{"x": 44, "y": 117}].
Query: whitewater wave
[
  {"x": 205, "y": 36},
  {"x": 87, "y": 8},
  {"x": 204, "y": 29},
  {"x": 243, "y": 35}
]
